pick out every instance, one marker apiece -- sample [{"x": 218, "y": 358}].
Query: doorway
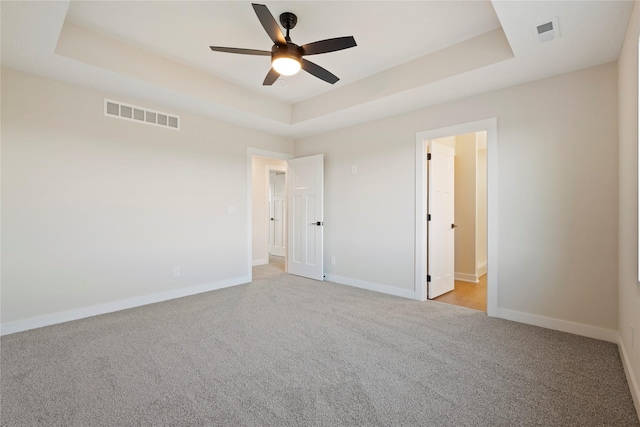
[
  {"x": 268, "y": 176},
  {"x": 260, "y": 165},
  {"x": 472, "y": 277},
  {"x": 301, "y": 212},
  {"x": 457, "y": 230}
]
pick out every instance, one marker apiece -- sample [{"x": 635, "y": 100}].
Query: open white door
[
  {"x": 305, "y": 220},
  {"x": 441, "y": 227},
  {"x": 277, "y": 209}
]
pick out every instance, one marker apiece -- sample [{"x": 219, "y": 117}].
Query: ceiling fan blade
[
  {"x": 269, "y": 23},
  {"x": 329, "y": 45},
  {"x": 241, "y": 51},
  {"x": 271, "y": 78},
  {"x": 318, "y": 71}
]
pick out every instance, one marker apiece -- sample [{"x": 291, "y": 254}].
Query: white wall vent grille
[
  {"x": 547, "y": 31},
  {"x": 134, "y": 113}
]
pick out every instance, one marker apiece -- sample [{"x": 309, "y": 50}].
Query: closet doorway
[
  {"x": 457, "y": 230},
  {"x": 474, "y": 223}
]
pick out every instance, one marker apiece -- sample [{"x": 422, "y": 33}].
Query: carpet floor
[{"x": 287, "y": 351}]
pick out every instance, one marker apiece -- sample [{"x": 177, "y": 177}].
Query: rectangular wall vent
[
  {"x": 547, "y": 30},
  {"x": 135, "y": 113}
]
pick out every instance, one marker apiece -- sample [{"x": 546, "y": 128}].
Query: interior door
[
  {"x": 277, "y": 209},
  {"x": 305, "y": 216},
  {"x": 441, "y": 227}
]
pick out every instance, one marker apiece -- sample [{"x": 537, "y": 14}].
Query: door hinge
[
  {"x": 428, "y": 278},
  {"x": 428, "y": 156},
  {"x": 428, "y": 217}
]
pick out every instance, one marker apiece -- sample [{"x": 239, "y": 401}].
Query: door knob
[
  {"x": 454, "y": 226},
  {"x": 318, "y": 223},
  {"x": 271, "y": 219}
]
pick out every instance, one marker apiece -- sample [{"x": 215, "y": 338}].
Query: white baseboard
[
  {"x": 560, "y": 325},
  {"x": 371, "y": 286},
  {"x": 257, "y": 262},
  {"x": 464, "y": 277},
  {"x": 482, "y": 269},
  {"x": 94, "y": 310},
  {"x": 631, "y": 378}
]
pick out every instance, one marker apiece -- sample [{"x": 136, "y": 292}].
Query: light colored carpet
[{"x": 289, "y": 351}]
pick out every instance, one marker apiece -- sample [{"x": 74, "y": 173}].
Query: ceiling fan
[{"x": 286, "y": 56}]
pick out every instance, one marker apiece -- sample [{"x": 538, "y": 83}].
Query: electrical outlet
[
  {"x": 354, "y": 169},
  {"x": 333, "y": 260},
  {"x": 176, "y": 271}
]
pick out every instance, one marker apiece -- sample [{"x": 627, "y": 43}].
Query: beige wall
[
  {"x": 628, "y": 285},
  {"x": 260, "y": 207},
  {"x": 554, "y": 261},
  {"x": 465, "y": 205},
  {"x": 97, "y": 210}
]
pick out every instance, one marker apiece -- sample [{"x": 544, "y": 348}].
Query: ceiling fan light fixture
[
  {"x": 286, "y": 66},
  {"x": 286, "y": 60}
]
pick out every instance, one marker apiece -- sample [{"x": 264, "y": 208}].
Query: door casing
[{"x": 491, "y": 126}]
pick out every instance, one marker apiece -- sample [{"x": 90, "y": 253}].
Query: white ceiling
[{"x": 409, "y": 54}]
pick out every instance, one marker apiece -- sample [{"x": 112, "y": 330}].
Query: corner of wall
[
  {"x": 634, "y": 387},
  {"x": 371, "y": 286}
]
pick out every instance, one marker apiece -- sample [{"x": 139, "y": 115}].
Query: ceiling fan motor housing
[{"x": 291, "y": 50}]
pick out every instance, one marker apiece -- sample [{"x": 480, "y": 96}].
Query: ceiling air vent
[
  {"x": 134, "y": 113},
  {"x": 547, "y": 30}
]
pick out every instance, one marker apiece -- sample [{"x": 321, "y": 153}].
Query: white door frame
[
  {"x": 491, "y": 126},
  {"x": 250, "y": 153}
]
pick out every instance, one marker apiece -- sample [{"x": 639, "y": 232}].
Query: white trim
[
  {"x": 110, "y": 307},
  {"x": 491, "y": 126},
  {"x": 492, "y": 216},
  {"x": 634, "y": 387},
  {"x": 481, "y": 270},
  {"x": 268, "y": 154},
  {"x": 464, "y": 277},
  {"x": 257, "y": 262},
  {"x": 249, "y": 243},
  {"x": 420, "y": 279},
  {"x": 371, "y": 286},
  {"x": 559, "y": 325}
]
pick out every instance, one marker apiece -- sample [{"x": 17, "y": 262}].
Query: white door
[
  {"x": 440, "y": 228},
  {"x": 277, "y": 209},
  {"x": 305, "y": 223}
]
